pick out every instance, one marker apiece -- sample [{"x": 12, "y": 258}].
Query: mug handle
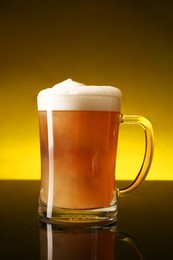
[{"x": 146, "y": 125}]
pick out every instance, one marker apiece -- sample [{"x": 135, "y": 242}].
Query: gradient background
[{"x": 128, "y": 44}]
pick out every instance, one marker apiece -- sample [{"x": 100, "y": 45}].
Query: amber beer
[
  {"x": 84, "y": 154},
  {"x": 78, "y": 139}
]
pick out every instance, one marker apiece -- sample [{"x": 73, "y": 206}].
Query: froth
[{"x": 71, "y": 95}]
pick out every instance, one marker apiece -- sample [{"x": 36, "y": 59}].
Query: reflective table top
[{"x": 143, "y": 231}]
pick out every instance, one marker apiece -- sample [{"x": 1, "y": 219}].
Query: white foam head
[{"x": 71, "y": 95}]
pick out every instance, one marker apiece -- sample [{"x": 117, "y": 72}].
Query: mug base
[{"x": 71, "y": 217}]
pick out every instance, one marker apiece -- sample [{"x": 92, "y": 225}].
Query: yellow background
[{"x": 128, "y": 44}]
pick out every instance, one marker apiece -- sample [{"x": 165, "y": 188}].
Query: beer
[
  {"x": 84, "y": 154},
  {"x": 78, "y": 139}
]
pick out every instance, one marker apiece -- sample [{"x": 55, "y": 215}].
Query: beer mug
[{"x": 79, "y": 127}]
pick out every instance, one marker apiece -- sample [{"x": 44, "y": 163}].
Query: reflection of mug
[
  {"x": 86, "y": 243},
  {"x": 78, "y": 134}
]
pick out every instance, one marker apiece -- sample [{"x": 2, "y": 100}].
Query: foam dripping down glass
[{"x": 79, "y": 128}]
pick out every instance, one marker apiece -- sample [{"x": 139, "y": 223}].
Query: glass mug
[
  {"x": 79, "y": 127},
  {"x": 91, "y": 243}
]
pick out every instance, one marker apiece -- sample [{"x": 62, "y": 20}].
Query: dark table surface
[{"x": 146, "y": 217}]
